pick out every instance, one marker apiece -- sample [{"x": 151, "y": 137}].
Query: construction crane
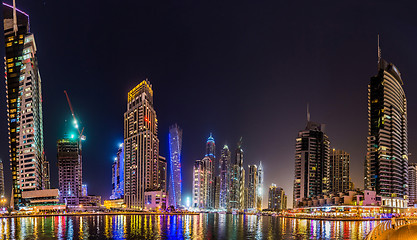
[{"x": 81, "y": 137}]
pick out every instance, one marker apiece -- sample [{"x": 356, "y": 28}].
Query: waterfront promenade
[{"x": 405, "y": 232}]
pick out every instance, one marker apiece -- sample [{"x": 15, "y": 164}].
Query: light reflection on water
[{"x": 203, "y": 226}]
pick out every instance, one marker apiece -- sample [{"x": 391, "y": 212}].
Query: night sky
[{"x": 246, "y": 68}]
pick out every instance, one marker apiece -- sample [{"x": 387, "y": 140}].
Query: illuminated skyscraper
[
  {"x": 118, "y": 175},
  {"x": 252, "y": 196},
  {"x": 277, "y": 200},
  {"x": 69, "y": 170},
  {"x": 24, "y": 105},
  {"x": 312, "y": 160},
  {"x": 199, "y": 185},
  {"x": 339, "y": 171},
  {"x": 162, "y": 174},
  {"x": 1, "y": 178},
  {"x": 237, "y": 193},
  {"x": 141, "y": 146},
  {"x": 386, "y": 164},
  {"x": 225, "y": 173},
  {"x": 209, "y": 161},
  {"x": 412, "y": 184},
  {"x": 175, "y": 180},
  {"x": 260, "y": 188}
]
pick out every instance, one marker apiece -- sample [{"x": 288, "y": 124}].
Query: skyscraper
[
  {"x": 312, "y": 161},
  {"x": 277, "y": 200},
  {"x": 339, "y": 171},
  {"x": 141, "y": 145},
  {"x": 225, "y": 173},
  {"x": 260, "y": 188},
  {"x": 412, "y": 184},
  {"x": 175, "y": 180},
  {"x": 386, "y": 164},
  {"x": 162, "y": 175},
  {"x": 1, "y": 178},
  {"x": 69, "y": 170},
  {"x": 118, "y": 174},
  {"x": 24, "y": 105},
  {"x": 252, "y": 196},
  {"x": 199, "y": 185},
  {"x": 209, "y": 162},
  {"x": 237, "y": 193}
]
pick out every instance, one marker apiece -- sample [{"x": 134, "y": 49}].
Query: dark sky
[{"x": 243, "y": 68}]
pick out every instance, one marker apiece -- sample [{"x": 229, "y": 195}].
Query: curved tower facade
[
  {"x": 386, "y": 161},
  {"x": 175, "y": 145}
]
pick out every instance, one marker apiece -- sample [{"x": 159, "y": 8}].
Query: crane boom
[{"x": 73, "y": 115}]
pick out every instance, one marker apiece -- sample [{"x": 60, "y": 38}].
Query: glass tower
[{"x": 175, "y": 186}]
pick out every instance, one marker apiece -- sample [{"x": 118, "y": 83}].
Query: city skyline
[{"x": 272, "y": 150}]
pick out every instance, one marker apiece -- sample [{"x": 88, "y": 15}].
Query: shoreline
[{"x": 95, "y": 214}]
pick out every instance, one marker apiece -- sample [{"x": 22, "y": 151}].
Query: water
[{"x": 203, "y": 226}]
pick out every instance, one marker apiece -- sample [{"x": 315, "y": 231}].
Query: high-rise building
[
  {"x": 252, "y": 196},
  {"x": 339, "y": 171},
  {"x": 412, "y": 184},
  {"x": 199, "y": 185},
  {"x": 260, "y": 188},
  {"x": 69, "y": 170},
  {"x": 118, "y": 174},
  {"x": 217, "y": 192},
  {"x": 225, "y": 173},
  {"x": 162, "y": 175},
  {"x": 210, "y": 161},
  {"x": 141, "y": 145},
  {"x": 237, "y": 193},
  {"x": 277, "y": 200},
  {"x": 386, "y": 164},
  {"x": 1, "y": 179},
  {"x": 24, "y": 105},
  {"x": 175, "y": 180},
  {"x": 84, "y": 190},
  {"x": 312, "y": 160}
]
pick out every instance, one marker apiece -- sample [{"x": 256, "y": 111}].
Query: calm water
[{"x": 203, "y": 226}]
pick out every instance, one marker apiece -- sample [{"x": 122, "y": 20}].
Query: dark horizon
[{"x": 231, "y": 69}]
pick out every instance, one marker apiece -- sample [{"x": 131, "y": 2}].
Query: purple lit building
[{"x": 175, "y": 180}]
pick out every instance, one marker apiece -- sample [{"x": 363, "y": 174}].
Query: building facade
[
  {"x": 210, "y": 161},
  {"x": 24, "y": 106},
  {"x": 277, "y": 200},
  {"x": 312, "y": 160},
  {"x": 162, "y": 174},
  {"x": 225, "y": 172},
  {"x": 175, "y": 180},
  {"x": 386, "y": 164},
  {"x": 252, "y": 196},
  {"x": 69, "y": 171},
  {"x": 412, "y": 184},
  {"x": 118, "y": 175},
  {"x": 260, "y": 188},
  {"x": 1, "y": 179},
  {"x": 339, "y": 171},
  {"x": 199, "y": 185},
  {"x": 237, "y": 193},
  {"x": 141, "y": 145}
]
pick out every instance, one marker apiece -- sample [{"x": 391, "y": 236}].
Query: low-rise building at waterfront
[
  {"x": 155, "y": 200},
  {"x": 43, "y": 200}
]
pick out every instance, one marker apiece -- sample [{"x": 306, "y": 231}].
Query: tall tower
[
  {"x": 175, "y": 180},
  {"x": 118, "y": 174},
  {"x": 1, "y": 178},
  {"x": 209, "y": 162},
  {"x": 225, "y": 173},
  {"x": 252, "y": 188},
  {"x": 141, "y": 145},
  {"x": 69, "y": 170},
  {"x": 199, "y": 185},
  {"x": 386, "y": 164},
  {"x": 277, "y": 200},
  {"x": 237, "y": 195},
  {"x": 24, "y": 105},
  {"x": 339, "y": 171},
  {"x": 260, "y": 188},
  {"x": 312, "y": 160},
  {"x": 412, "y": 184}
]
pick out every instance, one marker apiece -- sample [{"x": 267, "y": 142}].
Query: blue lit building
[
  {"x": 175, "y": 180},
  {"x": 118, "y": 174}
]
